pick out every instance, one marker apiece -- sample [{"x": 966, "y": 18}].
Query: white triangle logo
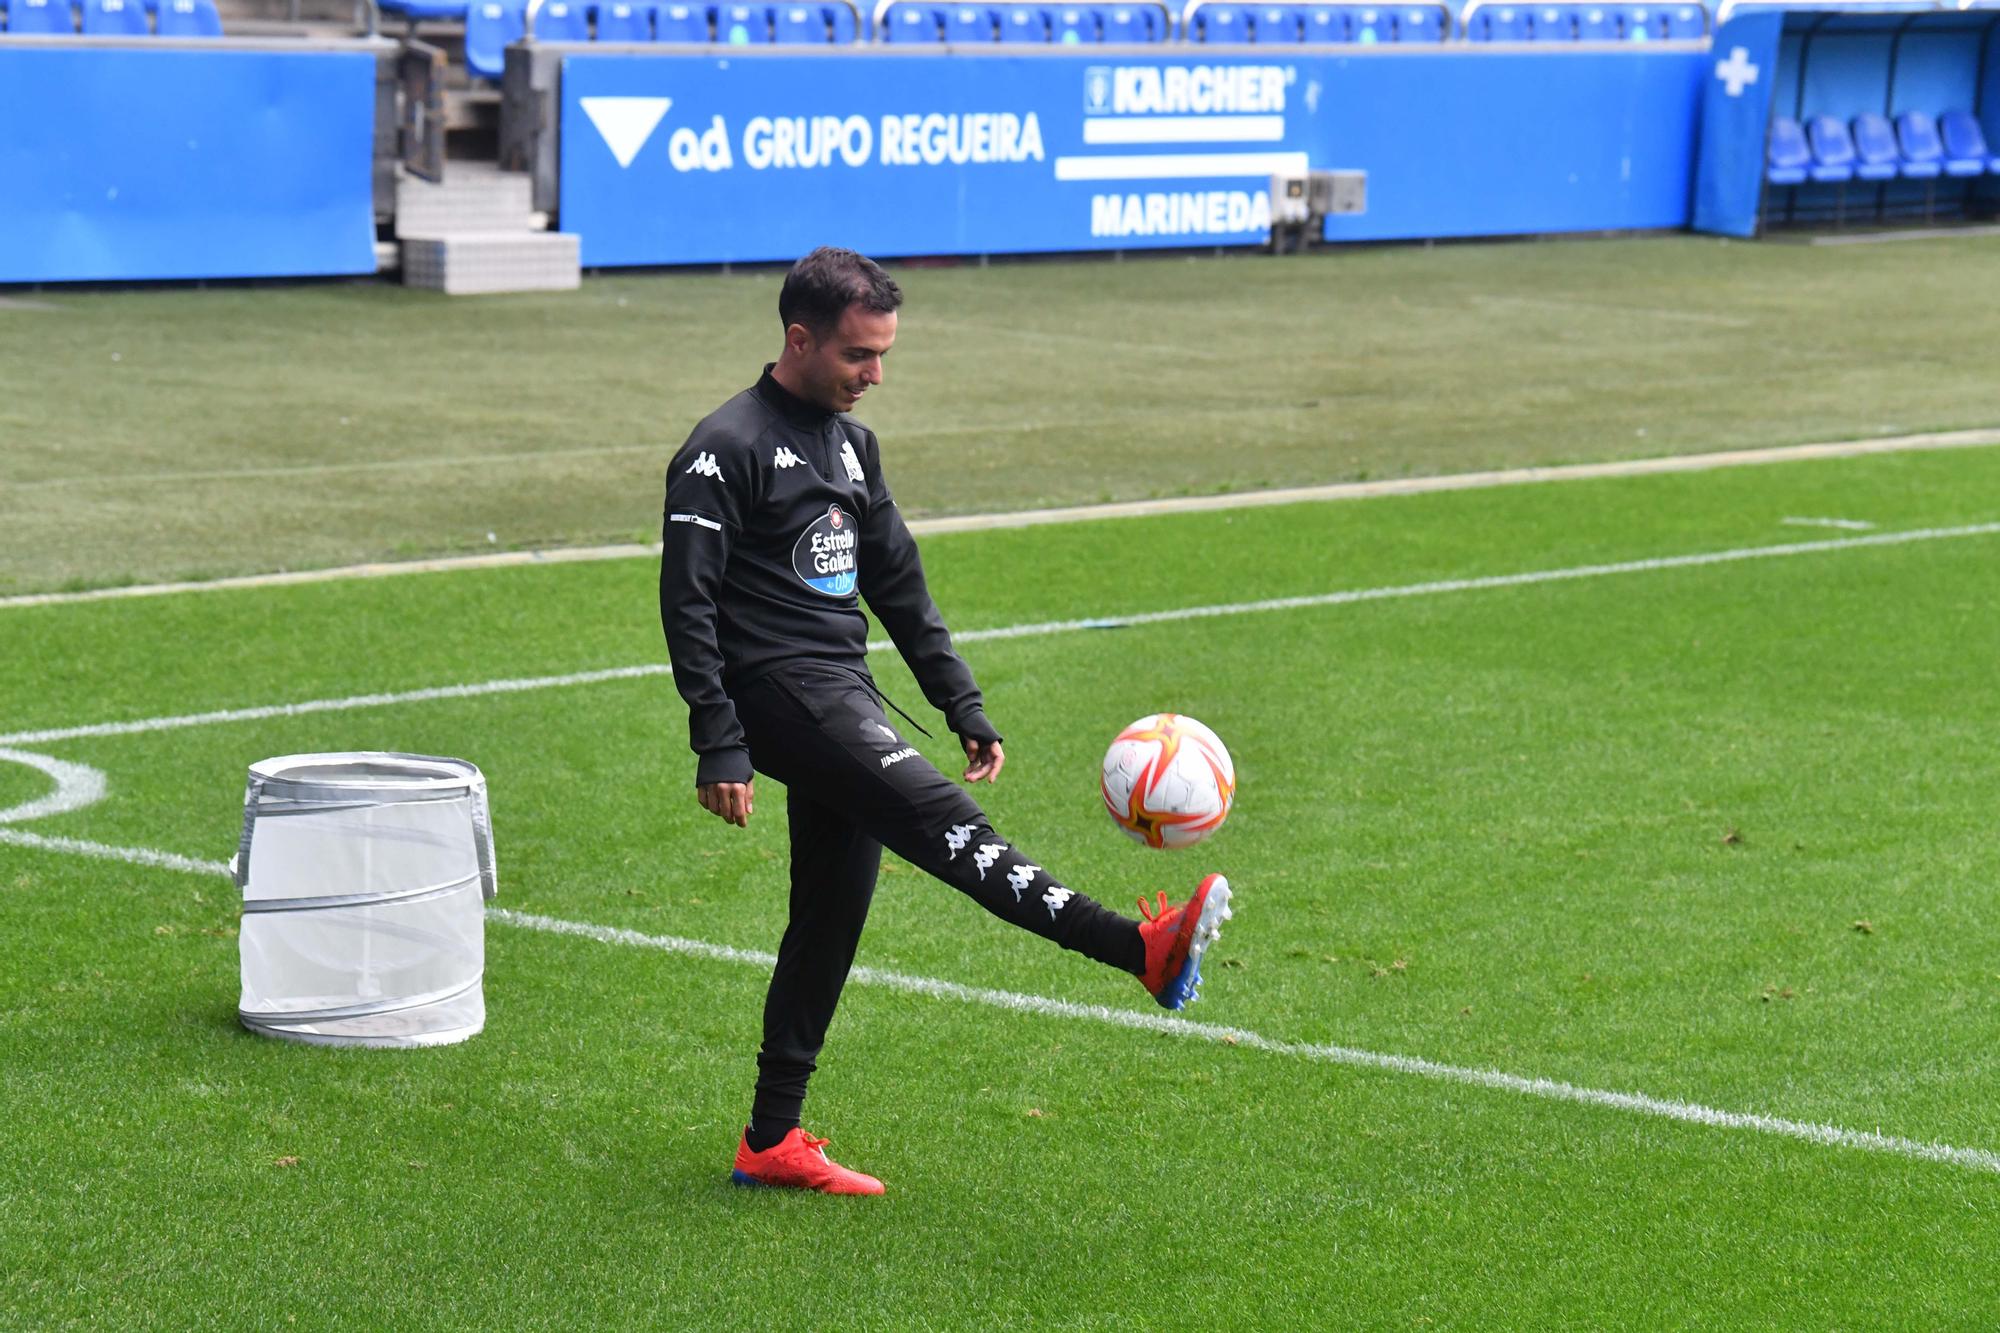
[{"x": 625, "y": 122}]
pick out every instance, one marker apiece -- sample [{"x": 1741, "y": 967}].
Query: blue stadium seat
[
  {"x": 1275, "y": 25},
  {"x": 680, "y": 23},
  {"x": 562, "y": 21},
  {"x": 1875, "y": 154},
  {"x": 799, "y": 25},
  {"x": 1832, "y": 150},
  {"x": 1221, "y": 23},
  {"x": 842, "y": 21},
  {"x": 912, "y": 23},
  {"x": 1324, "y": 23},
  {"x": 1923, "y": 151},
  {"x": 623, "y": 21},
  {"x": 115, "y": 18},
  {"x": 1640, "y": 23},
  {"x": 1417, "y": 24},
  {"x": 1125, "y": 24},
  {"x": 1554, "y": 23},
  {"x": 1595, "y": 23},
  {"x": 968, "y": 25},
  {"x": 1684, "y": 23},
  {"x": 743, "y": 25},
  {"x": 1074, "y": 26},
  {"x": 40, "y": 16},
  {"x": 189, "y": 18},
  {"x": 1023, "y": 23},
  {"x": 1786, "y": 156},
  {"x": 1367, "y": 27},
  {"x": 1965, "y": 142},
  {"x": 1498, "y": 23},
  {"x": 491, "y": 26}
]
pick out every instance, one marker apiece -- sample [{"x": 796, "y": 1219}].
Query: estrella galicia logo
[
  {"x": 1097, "y": 90},
  {"x": 825, "y": 556}
]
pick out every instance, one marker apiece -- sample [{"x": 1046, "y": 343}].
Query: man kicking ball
[{"x": 778, "y": 521}]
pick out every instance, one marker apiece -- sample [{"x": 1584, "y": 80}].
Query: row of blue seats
[
  {"x": 1827, "y": 150},
  {"x": 112, "y": 18},
  {"x": 492, "y": 24},
  {"x": 1585, "y": 23},
  {"x": 1284, "y": 24}
]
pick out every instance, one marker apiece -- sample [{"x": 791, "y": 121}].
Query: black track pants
[{"x": 854, "y": 786}]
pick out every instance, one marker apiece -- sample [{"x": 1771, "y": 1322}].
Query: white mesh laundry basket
[{"x": 364, "y": 878}]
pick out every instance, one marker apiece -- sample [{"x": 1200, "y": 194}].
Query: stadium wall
[
  {"x": 686, "y": 159},
  {"x": 178, "y": 162}
]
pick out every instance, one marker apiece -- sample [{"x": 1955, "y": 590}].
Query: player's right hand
[{"x": 728, "y": 800}]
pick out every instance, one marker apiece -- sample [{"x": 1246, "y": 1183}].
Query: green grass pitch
[
  {"x": 156, "y": 435},
  {"x": 1614, "y": 830}
]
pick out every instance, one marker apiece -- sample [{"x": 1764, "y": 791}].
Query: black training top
[{"x": 777, "y": 515}]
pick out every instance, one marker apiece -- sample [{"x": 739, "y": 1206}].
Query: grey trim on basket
[
  {"x": 330, "y": 902},
  {"x": 371, "y": 1009}
]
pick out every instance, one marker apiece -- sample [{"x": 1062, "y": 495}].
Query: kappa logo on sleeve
[{"x": 704, "y": 465}]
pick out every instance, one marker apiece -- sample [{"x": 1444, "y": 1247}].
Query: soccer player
[{"x": 778, "y": 522}]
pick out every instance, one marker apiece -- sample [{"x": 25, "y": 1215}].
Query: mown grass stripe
[
  {"x": 1033, "y": 630},
  {"x": 1831, "y": 1136}
]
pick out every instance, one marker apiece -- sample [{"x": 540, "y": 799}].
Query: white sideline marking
[
  {"x": 334, "y": 705},
  {"x": 138, "y": 856},
  {"x": 1038, "y": 629},
  {"x": 1832, "y": 1136},
  {"x": 1980, "y": 1159},
  {"x": 1850, "y": 524},
  {"x": 1355, "y": 490}
]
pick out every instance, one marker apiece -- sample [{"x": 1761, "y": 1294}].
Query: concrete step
[
  {"x": 474, "y": 197},
  {"x": 469, "y": 263}
]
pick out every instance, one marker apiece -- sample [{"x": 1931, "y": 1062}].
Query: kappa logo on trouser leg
[
  {"x": 955, "y": 840},
  {"x": 988, "y": 853},
  {"x": 1020, "y": 877}
]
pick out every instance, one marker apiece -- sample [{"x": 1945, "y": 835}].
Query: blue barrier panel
[
  {"x": 1736, "y": 110},
  {"x": 678, "y": 159},
  {"x": 127, "y": 164}
]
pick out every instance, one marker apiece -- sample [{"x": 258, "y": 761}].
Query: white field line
[
  {"x": 334, "y": 705},
  {"x": 1980, "y": 1159},
  {"x": 1358, "y": 490},
  {"x": 1037, "y": 629},
  {"x": 1848, "y": 524},
  {"x": 138, "y": 856},
  {"x": 1831, "y": 1136}
]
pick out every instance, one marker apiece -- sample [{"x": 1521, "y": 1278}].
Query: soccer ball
[{"x": 1168, "y": 781}]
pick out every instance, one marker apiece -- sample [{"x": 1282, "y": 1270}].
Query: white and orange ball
[{"x": 1168, "y": 781}]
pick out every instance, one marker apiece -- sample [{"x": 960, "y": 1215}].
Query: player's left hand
[{"x": 983, "y": 760}]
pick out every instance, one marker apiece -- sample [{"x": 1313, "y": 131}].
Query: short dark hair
[{"x": 821, "y": 286}]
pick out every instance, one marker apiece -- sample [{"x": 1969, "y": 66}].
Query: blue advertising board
[
  {"x": 130, "y": 164},
  {"x": 684, "y": 159}
]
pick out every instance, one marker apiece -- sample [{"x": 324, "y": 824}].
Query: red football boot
[
  {"x": 1176, "y": 938},
  {"x": 799, "y": 1162}
]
